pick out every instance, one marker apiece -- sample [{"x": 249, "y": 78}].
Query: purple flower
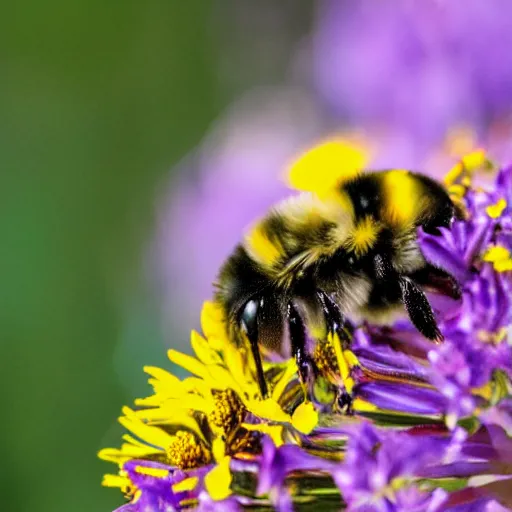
[
  {"x": 154, "y": 482},
  {"x": 455, "y": 374},
  {"x": 419, "y": 68},
  {"x": 379, "y": 468},
  {"x": 277, "y": 463},
  {"x": 407, "y": 398},
  {"x": 206, "y": 504}
]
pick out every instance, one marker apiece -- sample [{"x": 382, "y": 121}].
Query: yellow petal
[
  {"x": 457, "y": 190},
  {"x": 274, "y": 431},
  {"x": 289, "y": 372},
  {"x": 239, "y": 370},
  {"x": 198, "y": 386},
  {"x": 161, "y": 375},
  {"x": 213, "y": 325},
  {"x": 494, "y": 211},
  {"x": 188, "y": 484},
  {"x": 154, "y": 472},
  {"x": 305, "y": 418},
  {"x": 166, "y": 411},
  {"x": 188, "y": 363},
  {"x": 503, "y": 266},
  {"x": 268, "y": 409},
  {"x": 496, "y": 253},
  {"x": 203, "y": 350},
  {"x": 133, "y": 441},
  {"x": 467, "y": 164},
  {"x": 164, "y": 384},
  {"x": 358, "y": 404},
  {"x": 218, "y": 481},
  {"x": 453, "y": 174},
  {"x": 220, "y": 378},
  {"x": 474, "y": 160},
  {"x": 342, "y": 362},
  {"x": 500, "y": 257},
  {"x": 113, "y": 455},
  {"x": 150, "y": 401},
  {"x": 327, "y": 165},
  {"x": 115, "y": 481},
  {"x": 218, "y": 449},
  {"x": 351, "y": 358},
  {"x": 127, "y": 451},
  {"x": 179, "y": 417},
  {"x": 164, "y": 390},
  {"x": 151, "y": 435}
]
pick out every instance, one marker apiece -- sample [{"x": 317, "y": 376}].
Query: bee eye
[{"x": 249, "y": 316}]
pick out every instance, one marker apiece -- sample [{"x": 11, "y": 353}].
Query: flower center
[
  {"x": 186, "y": 452},
  {"x": 229, "y": 411}
]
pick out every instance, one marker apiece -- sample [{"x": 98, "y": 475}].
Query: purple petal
[
  {"x": 436, "y": 252},
  {"x": 402, "y": 397}
]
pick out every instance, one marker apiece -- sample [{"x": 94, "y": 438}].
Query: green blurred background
[{"x": 99, "y": 100}]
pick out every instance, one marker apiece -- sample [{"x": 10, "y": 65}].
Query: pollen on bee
[
  {"x": 363, "y": 236},
  {"x": 263, "y": 249}
]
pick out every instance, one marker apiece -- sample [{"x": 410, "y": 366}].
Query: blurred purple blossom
[{"x": 419, "y": 68}]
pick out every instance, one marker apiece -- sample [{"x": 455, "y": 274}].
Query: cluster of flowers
[{"x": 429, "y": 427}]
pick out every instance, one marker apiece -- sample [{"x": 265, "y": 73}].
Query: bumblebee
[{"x": 350, "y": 248}]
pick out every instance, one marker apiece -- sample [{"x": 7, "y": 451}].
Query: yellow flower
[
  {"x": 464, "y": 169},
  {"x": 201, "y": 419},
  {"x": 500, "y": 257},
  {"x": 334, "y": 363},
  {"x": 218, "y": 480}
]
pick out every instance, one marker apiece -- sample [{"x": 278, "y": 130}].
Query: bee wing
[{"x": 327, "y": 165}]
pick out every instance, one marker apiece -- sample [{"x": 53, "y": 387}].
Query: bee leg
[
  {"x": 419, "y": 310},
  {"x": 297, "y": 333},
  {"x": 249, "y": 323},
  {"x": 345, "y": 402},
  {"x": 336, "y": 322},
  {"x": 436, "y": 279},
  {"x": 334, "y": 318},
  {"x": 416, "y": 303}
]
